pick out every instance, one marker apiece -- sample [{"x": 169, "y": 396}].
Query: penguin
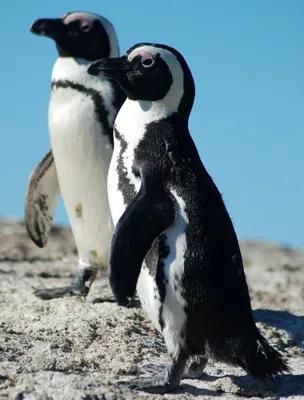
[
  {"x": 81, "y": 114},
  {"x": 174, "y": 241}
]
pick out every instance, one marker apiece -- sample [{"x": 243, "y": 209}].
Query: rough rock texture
[{"x": 73, "y": 349}]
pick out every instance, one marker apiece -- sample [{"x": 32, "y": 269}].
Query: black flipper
[
  {"x": 41, "y": 199},
  {"x": 149, "y": 215}
]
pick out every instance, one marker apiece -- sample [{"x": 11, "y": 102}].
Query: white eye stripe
[
  {"x": 139, "y": 52},
  {"x": 83, "y": 17},
  {"x": 85, "y": 21}
]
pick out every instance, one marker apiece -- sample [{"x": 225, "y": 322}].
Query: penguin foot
[
  {"x": 156, "y": 384},
  {"x": 111, "y": 299},
  {"x": 108, "y": 299},
  {"x": 163, "y": 383},
  {"x": 79, "y": 286},
  {"x": 65, "y": 291},
  {"x": 195, "y": 367},
  {"x": 133, "y": 303}
]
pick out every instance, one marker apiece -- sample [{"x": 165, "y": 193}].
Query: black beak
[
  {"x": 110, "y": 67},
  {"x": 51, "y": 28}
]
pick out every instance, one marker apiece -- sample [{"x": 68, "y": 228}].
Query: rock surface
[{"x": 73, "y": 349}]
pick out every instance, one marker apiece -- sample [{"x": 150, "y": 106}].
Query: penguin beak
[
  {"x": 52, "y": 28},
  {"x": 110, "y": 67}
]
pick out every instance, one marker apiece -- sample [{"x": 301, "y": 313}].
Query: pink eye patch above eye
[
  {"x": 84, "y": 20},
  {"x": 144, "y": 54}
]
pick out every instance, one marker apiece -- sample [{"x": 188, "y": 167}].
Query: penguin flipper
[
  {"x": 41, "y": 199},
  {"x": 150, "y": 214}
]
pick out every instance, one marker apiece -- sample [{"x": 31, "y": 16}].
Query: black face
[
  {"x": 78, "y": 37},
  {"x": 144, "y": 77}
]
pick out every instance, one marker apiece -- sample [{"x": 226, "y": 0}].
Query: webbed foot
[
  {"x": 195, "y": 367},
  {"x": 65, "y": 291},
  {"x": 79, "y": 286},
  {"x": 163, "y": 383},
  {"x": 111, "y": 299},
  {"x": 156, "y": 384},
  {"x": 108, "y": 299}
]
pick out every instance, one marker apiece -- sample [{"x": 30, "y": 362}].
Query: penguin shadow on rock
[
  {"x": 293, "y": 324},
  {"x": 287, "y": 384},
  {"x": 174, "y": 242},
  {"x": 82, "y": 110}
]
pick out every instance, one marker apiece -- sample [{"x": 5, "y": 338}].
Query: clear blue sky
[{"x": 247, "y": 59}]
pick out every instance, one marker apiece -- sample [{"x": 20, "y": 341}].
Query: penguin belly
[
  {"x": 115, "y": 195},
  {"x": 82, "y": 155},
  {"x": 149, "y": 295},
  {"x": 162, "y": 299}
]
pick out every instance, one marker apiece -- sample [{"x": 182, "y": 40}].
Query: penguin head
[
  {"x": 151, "y": 72},
  {"x": 80, "y": 35}
]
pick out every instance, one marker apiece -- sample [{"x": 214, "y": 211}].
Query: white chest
[
  {"x": 131, "y": 123},
  {"x": 72, "y": 116},
  {"x": 130, "y": 126},
  {"x": 82, "y": 153},
  {"x": 81, "y": 105}
]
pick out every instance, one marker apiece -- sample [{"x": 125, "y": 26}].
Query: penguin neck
[
  {"x": 149, "y": 111},
  {"x": 134, "y": 117},
  {"x": 75, "y": 70},
  {"x": 137, "y": 114},
  {"x": 165, "y": 107}
]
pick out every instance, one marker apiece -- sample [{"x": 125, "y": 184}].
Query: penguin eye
[
  {"x": 85, "y": 27},
  {"x": 147, "y": 62}
]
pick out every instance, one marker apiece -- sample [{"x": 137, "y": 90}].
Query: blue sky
[{"x": 248, "y": 122}]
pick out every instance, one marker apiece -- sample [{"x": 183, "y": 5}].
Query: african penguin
[
  {"x": 82, "y": 110},
  {"x": 174, "y": 240}
]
